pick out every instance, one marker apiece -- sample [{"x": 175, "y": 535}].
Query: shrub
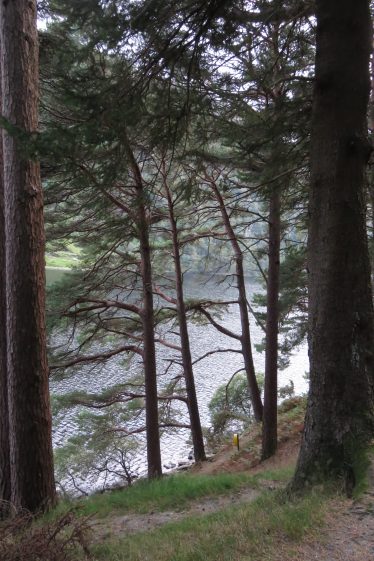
[{"x": 22, "y": 538}]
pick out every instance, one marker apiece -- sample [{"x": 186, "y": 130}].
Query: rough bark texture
[
  {"x": 269, "y": 430},
  {"x": 370, "y": 178},
  {"x": 193, "y": 408},
  {"x": 245, "y": 337},
  {"x": 31, "y": 459},
  {"x": 4, "y": 419},
  {"x": 340, "y": 404},
  {"x": 151, "y": 399}
]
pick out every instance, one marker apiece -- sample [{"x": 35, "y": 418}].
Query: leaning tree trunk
[
  {"x": 4, "y": 419},
  {"x": 339, "y": 417},
  {"x": 245, "y": 337},
  {"x": 269, "y": 429},
  {"x": 31, "y": 459},
  {"x": 193, "y": 407}
]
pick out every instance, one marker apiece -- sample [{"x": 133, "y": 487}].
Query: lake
[{"x": 210, "y": 373}]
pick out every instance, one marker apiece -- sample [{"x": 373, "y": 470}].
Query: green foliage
[
  {"x": 292, "y": 303},
  {"x": 99, "y": 450},
  {"x": 114, "y": 91},
  {"x": 230, "y": 406},
  {"x": 362, "y": 462},
  {"x": 292, "y": 407},
  {"x": 64, "y": 257}
]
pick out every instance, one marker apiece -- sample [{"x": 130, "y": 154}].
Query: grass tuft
[
  {"x": 248, "y": 532},
  {"x": 173, "y": 492}
]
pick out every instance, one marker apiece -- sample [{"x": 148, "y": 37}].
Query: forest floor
[
  {"x": 346, "y": 534},
  {"x": 227, "y": 460}
]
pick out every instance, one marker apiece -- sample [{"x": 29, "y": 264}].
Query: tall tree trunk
[
  {"x": 339, "y": 415},
  {"x": 151, "y": 399},
  {"x": 193, "y": 408},
  {"x": 245, "y": 337},
  {"x": 269, "y": 430},
  {"x": 371, "y": 173},
  {"x": 4, "y": 414},
  {"x": 150, "y": 372},
  {"x": 31, "y": 460},
  {"x": 270, "y": 418}
]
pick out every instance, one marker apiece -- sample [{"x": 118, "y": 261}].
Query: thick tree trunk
[
  {"x": 370, "y": 178},
  {"x": 149, "y": 350},
  {"x": 31, "y": 459},
  {"x": 269, "y": 430},
  {"x": 339, "y": 415},
  {"x": 193, "y": 408},
  {"x": 245, "y": 337},
  {"x": 4, "y": 415}
]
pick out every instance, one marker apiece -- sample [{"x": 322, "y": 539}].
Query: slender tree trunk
[
  {"x": 31, "y": 460},
  {"x": 4, "y": 414},
  {"x": 339, "y": 417},
  {"x": 243, "y": 308},
  {"x": 193, "y": 408},
  {"x": 150, "y": 372},
  {"x": 270, "y": 419},
  {"x": 269, "y": 430},
  {"x": 151, "y": 399}
]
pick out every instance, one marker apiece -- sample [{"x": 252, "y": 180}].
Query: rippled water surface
[{"x": 210, "y": 373}]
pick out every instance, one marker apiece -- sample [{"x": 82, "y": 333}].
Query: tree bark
[
  {"x": 193, "y": 407},
  {"x": 370, "y": 178},
  {"x": 245, "y": 337},
  {"x": 4, "y": 415},
  {"x": 147, "y": 313},
  {"x": 31, "y": 460},
  {"x": 151, "y": 400},
  {"x": 269, "y": 429},
  {"x": 339, "y": 417}
]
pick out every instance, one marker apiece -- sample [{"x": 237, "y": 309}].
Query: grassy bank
[
  {"x": 174, "y": 492},
  {"x": 63, "y": 259},
  {"x": 267, "y": 529},
  {"x": 131, "y": 524}
]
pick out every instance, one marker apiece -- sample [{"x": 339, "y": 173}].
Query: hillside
[{"x": 228, "y": 509}]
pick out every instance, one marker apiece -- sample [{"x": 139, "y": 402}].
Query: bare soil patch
[
  {"x": 227, "y": 460},
  {"x": 130, "y": 523},
  {"x": 348, "y": 534}
]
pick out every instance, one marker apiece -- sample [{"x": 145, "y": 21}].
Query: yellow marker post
[{"x": 235, "y": 440}]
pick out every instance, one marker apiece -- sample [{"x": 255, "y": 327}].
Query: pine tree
[
  {"x": 339, "y": 417},
  {"x": 31, "y": 462}
]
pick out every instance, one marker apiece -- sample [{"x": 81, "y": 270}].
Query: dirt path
[
  {"x": 226, "y": 461},
  {"x": 349, "y": 532},
  {"x": 347, "y": 536},
  {"x": 120, "y": 526}
]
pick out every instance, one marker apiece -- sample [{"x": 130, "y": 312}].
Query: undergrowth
[
  {"x": 22, "y": 538},
  {"x": 173, "y": 492},
  {"x": 251, "y": 532}
]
